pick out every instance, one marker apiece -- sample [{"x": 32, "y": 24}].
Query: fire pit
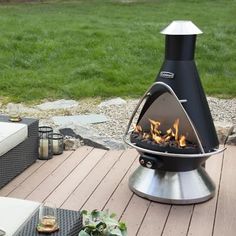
[{"x": 174, "y": 133}]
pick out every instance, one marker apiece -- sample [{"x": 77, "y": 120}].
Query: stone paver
[
  {"x": 59, "y": 104},
  {"x": 79, "y": 119},
  {"x": 90, "y": 137},
  {"x": 112, "y": 102}
]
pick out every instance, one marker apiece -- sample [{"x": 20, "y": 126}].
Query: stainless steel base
[{"x": 188, "y": 187}]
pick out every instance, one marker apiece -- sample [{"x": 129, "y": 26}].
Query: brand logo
[{"x": 167, "y": 75}]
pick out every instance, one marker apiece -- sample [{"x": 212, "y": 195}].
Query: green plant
[{"x": 101, "y": 223}]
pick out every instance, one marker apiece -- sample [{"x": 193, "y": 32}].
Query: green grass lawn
[{"x": 75, "y": 49}]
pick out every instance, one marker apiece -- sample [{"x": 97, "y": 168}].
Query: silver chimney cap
[{"x": 181, "y": 27}]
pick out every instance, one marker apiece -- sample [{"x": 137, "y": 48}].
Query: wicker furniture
[
  {"x": 14, "y": 213},
  {"x": 22, "y": 156},
  {"x": 70, "y": 223}
]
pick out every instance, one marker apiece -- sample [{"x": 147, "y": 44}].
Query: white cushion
[
  {"x": 11, "y": 134},
  {"x": 14, "y": 213}
]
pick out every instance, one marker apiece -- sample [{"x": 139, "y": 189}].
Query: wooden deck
[{"x": 90, "y": 178}]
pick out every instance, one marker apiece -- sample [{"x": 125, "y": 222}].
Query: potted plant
[{"x": 101, "y": 223}]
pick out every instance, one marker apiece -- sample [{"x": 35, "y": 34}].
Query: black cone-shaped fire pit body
[
  {"x": 171, "y": 171},
  {"x": 179, "y": 60}
]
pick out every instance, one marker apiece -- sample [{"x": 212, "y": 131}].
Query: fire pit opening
[{"x": 164, "y": 125}]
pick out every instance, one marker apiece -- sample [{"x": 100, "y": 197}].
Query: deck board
[
  {"x": 42, "y": 173},
  {"x": 178, "y": 220},
  {"x": 225, "y": 222},
  {"x": 61, "y": 193},
  {"x": 122, "y": 195},
  {"x": 155, "y": 219},
  {"x": 83, "y": 191},
  {"x": 203, "y": 217},
  {"x": 90, "y": 178},
  {"x": 7, "y": 189},
  {"x": 104, "y": 190},
  {"x": 56, "y": 176},
  {"x": 135, "y": 213}
]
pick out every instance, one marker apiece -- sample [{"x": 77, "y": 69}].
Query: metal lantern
[
  {"x": 57, "y": 143},
  {"x": 45, "y": 143}
]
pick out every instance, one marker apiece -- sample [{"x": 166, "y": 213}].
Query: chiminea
[{"x": 174, "y": 133}]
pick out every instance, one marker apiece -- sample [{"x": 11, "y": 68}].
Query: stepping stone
[
  {"x": 79, "y": 119},
  {"x": 223, "y": 130},
  {"x": 112, "y": 102},
  {"x": 232, "y": 139},
  {"x": 59, "y": 104},
  {"x": 90, "y": 137}
]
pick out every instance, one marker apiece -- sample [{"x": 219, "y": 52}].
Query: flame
[
  {"x": 182, "y": 141},
  {"x": 155, "y": 134},
  {"x": 137, "y": 128},
  {"x": 157, "y": 139},
  {"x": 166, "y": 139},
  {"x": 155, "y": 127},
  {"x": 176, "y": 127},
  {"x": 155, "y": 122},
  {"x": 146, "y": 135}
]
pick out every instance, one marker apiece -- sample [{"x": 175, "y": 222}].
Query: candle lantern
[
  {"x": 57, "y": 143},
  {"x": 45, "y": 143}
]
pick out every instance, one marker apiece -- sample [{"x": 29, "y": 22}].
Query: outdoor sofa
[{"x": 18, "y": 148}]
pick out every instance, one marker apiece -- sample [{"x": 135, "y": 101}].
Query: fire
[
  {"x": 176, "y": 127},
  {"x": 137, "y": 128},
  {"x": 155, "y": 134},
  {"x": 157, "y": 139},
  {"x": 146, "y": 136},
  {"x": 182, "y": 141}
]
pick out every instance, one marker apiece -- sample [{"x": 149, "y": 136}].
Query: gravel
[
  {"x": 221, "y": 109},
  {"x": 119, "y": 115}
]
